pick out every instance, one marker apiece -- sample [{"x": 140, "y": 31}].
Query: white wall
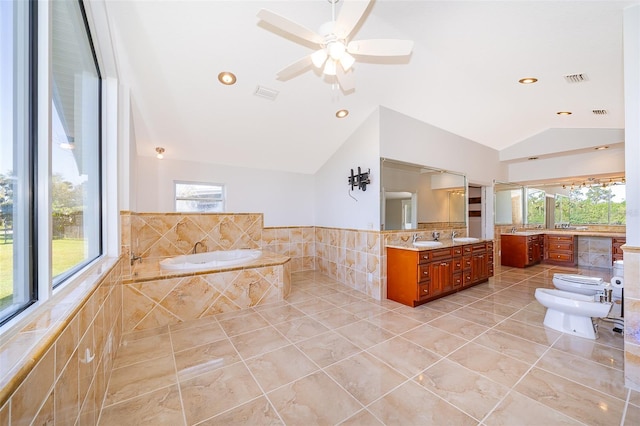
[
  {"x": 286, "y": 199},
  {"x": 583, "y": 164},
  {"x": 406, "y": 139},
  {"x": 333, "y": 205}
]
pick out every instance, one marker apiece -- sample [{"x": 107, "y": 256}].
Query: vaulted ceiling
[{"x": 462, "y": 75}]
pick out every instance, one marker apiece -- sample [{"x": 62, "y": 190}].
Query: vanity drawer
[
  {"x": 423, "y": 273},
  {"x": 458, "y": 264},
  {"x": 561, "y": 257},
  {"x": 560, "y": 238},
  {"x": 424, "y": 257},
  {"x": 440, "y": 254},
  {"x": 478, "y": 247},
  {"x": 458, "y": 280},
  {"x": 457, "y": 251},
  {"x": 423, "y": 291},
  {"x": 560, "y": 246}
]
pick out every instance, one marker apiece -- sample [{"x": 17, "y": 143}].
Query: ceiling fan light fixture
[
  {"x": 347, "y": 61},
  {"x": 227, "y": 78},
  {"x": 318, "y": 57},
  {"x": 336, "y": 50},
  {"x": 330, "y": 67}
]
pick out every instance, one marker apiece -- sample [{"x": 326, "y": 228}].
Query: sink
[
  {"x": 466, "y": 240},
  {"x": 427, "y": 243}
]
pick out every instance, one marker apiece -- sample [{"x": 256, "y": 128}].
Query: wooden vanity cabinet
[
  {"x": 520, "y": 251},
  {"x": 561, "y": 249},
  {"x": 415, "y": 277},
  {"x": 616, "y": 250}
]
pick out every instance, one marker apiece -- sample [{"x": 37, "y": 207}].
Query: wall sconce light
[{"x": 160, "y": 152}]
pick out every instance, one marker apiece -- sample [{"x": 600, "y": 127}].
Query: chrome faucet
[
  {"x": 415, "y": 237},
  {"x": 134, "y": 258},
  {"x": 454, "y": 234},
  {"x": 195, "y": 247},
  {"x": 435, "y": 235},
  {"x": 513, "y": 230}
]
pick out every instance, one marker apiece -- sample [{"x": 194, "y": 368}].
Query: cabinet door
[
  {"x": 479, "y": 267},
  {"x": 441, "y": 276}
]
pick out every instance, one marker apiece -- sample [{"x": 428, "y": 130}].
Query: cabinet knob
[
  {"x": 558, "y": 246},
  {"x": 426, "y": 291},
  {"x": 444, "y": 264},
  {"x": 426, "y": 273}
]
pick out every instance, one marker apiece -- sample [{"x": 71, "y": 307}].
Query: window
[
  {"x": 17, "y": 85},
  {"x": 535, "y": 206},
  {"x": 74, "y": 171},
  {"x": 199, "y": 197},
  {"x": 598, "y": 204},
  {"x": 75, "y": 143}
]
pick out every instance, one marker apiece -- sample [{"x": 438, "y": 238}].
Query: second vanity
[{"x": 416, "y": 275}]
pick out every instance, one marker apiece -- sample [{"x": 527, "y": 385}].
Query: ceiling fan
[{"x": 336, "y": 54}]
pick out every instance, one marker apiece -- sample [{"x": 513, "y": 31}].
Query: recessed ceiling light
[
  {"x": 532, "y": 158},
  {"x": 227, "y": 78},
  {"x": 600, "y": 148},
  {"x": 342, "y": 113},
  {"x": 564, "y": 113},
  {"x": 160, "y": 152},
  {"x": 527, "y": 80}
]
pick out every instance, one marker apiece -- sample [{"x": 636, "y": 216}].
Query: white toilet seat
[{"x": 579, "y": 283}]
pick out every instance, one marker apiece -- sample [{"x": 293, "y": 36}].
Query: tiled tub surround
[
  {"x": 55, "y": 368},
  {"x": 156, "y": 236},
  {"x": 154, "y": 298},
  {"x": 594, "y": 252}
]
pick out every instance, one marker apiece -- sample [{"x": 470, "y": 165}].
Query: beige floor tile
[
  {"x": 280, "y": 367},
  {"x": 405, "y": 356},
  {"x": 362, "y": 418},
  {"x": 488, "y": 319},
  {"x": 420, "y": 313},
  {"x": 529, "y": 316},
  {"x": 364, "y": 334},
  {"x": 444, "y": 305},
  {"x": 258, "y": 341},
  {"x": 491, "y": 364},
  {"x": 301, "y": 328},
  {"x": 468, "y": 391},
  {"x": 281, "y": 314},
  {"x": 314, "y": 400},
  {"x": 460, "y": 327},
  {"x": 521, "y": 349},
  {"x": 336, "y": 318},
  {"x": 537, "y": 334},
  {"x": 256, "y": 412},
  {"x": 518, "y": 409},
  {"x": 394, "y": 322},
  {"x": 572, "y": 399},
  {"x": 160, "y": 407},
  {"x": 411, "y": 404},
  {"x": 365, "y": 309},
  {"x": 137, "y": 379},
  {"x": 212, "y": 393},
  {"x": 434, "y": 339},
  {"x": 591, "y": 350},
  {"x": 589, "y": 373},
  {"x": 327, "y": 348},
  {"x": 493, "y": 307},
  {"x": 243, "y": 324},
  {"x": 204, "y": 358},
  {"x": 196, "y": 336},
  {"x": 632, "y": 416},
  {"x": 132, "y": 351},
  {"x": 365, "y": 377}
]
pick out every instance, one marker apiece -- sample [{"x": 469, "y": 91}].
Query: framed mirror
[
  {"x": 536, "y": 206},
  {"x": 417, "y": 197},
  {"x": 509, "y": 203}
]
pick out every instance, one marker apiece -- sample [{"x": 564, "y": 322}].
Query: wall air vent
[
  {"x": 266, "y": 93},
  {"x": 575, "y": 78},
  {"x": 600, "y": 112}
]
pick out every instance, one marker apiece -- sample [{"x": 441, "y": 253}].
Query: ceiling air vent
[
  {"x": 575, "y": 78},
  {"x": 266, "y": 93},
  {"x": 600, "y": 112}
]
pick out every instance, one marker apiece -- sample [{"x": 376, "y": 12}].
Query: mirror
[
  {"x": 536, "y": 202},
  {"x": 416, "y": 197},
  {"x": 508, "y": 203}
]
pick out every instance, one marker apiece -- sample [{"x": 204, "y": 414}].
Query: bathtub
[{"x": 210, "y": 260}]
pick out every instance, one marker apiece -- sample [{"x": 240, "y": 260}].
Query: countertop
[
  {"x": 445, "y": 244},
  {"x": 573, "y": 232}
]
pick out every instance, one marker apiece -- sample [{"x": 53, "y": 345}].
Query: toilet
[
  {"x": 579, "y": 284},
  {"x": 571, "y": 313}
]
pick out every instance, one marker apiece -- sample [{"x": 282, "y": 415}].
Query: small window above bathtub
[{"x": 197, "y": 197}]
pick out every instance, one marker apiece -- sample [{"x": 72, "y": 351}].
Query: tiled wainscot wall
[
  {"x": 632, "y": 317},
  {"x": 55, "y": 368}
]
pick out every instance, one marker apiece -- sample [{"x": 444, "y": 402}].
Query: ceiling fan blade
[
  {"x": 345, "y": 79},
  {"x": 350, "y": 15},
  {"x": 289, "y": 26},
  {"x": 295, "y": 69},
  {"x": 380, "y": 47}
]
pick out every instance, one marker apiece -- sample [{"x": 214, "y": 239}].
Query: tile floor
[{"x": 331, "y": 355}]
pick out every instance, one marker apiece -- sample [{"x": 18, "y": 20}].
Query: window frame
[{"x": 182, "y": 182}]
